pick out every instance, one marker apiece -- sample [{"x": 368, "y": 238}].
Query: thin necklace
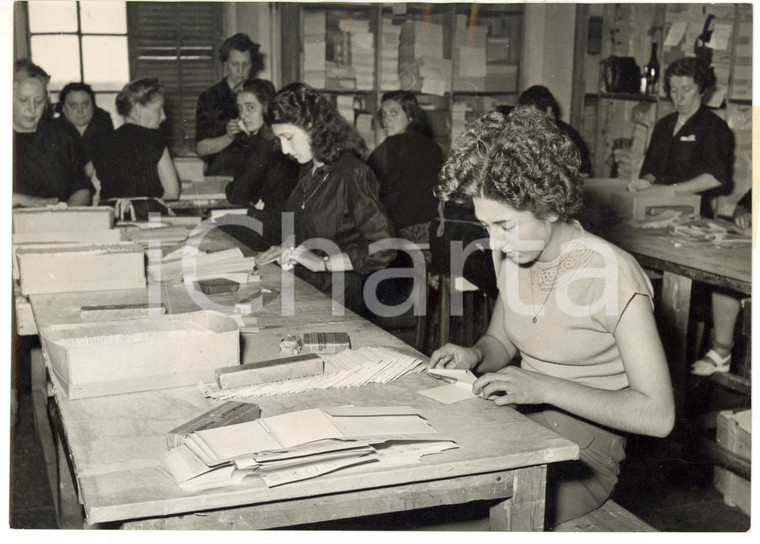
[
  {"x": 306, "y": 197},
  {"x": 551, "y": 287}
]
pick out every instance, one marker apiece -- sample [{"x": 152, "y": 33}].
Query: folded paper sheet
[{"x": 458, "y": 388}]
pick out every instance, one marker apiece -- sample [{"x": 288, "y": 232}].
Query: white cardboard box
[
  {"x": 64, "y": 268},
  {"x": 27, "y": 220},
  {"x": 123, "y": 356},
  {"x": 642, "y": 204}
]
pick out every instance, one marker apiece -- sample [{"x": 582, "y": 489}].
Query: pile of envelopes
[{"x": 303, "y": 444}]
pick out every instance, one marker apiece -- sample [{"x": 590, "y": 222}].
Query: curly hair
[
  {"x": 241, "y": 42},
  {"x": 329, "y": 133},
  {"x": 697, "y": 69},
  {"x": 24, "y": 68},
  {"x": 522, "y": 160},
  {"x": 408, "y": 103},
  {"x": 140, "y": 91}
]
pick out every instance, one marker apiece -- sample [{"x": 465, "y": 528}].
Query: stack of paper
[
  {"x": 422, "y": 67},
  {"x": 188, "y": 266},
  {"x": 362, "y": 51},
  {"x": 469, "y": 55},
  {"x": 458, "y": 119},
  {"x": 389, "y": 46},
  {"x": 314, "y": 48},
  {"x": 349, "y": 368},
  {"x": 295, "y": 446}
]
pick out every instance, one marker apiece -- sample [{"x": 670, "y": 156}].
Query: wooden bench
[{"x": 608, "y": 518}]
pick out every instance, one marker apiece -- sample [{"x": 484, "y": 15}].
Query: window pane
[
  {"x": 106, "y": 62},
  {"x": 103, "y": 17},
  {"x": 107, "y": 101},
  {"x": 52, "y": 16},
  {"x": 59, "y": 57}
]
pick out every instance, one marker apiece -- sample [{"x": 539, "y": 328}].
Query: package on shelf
[
  {"x": 366, "y": 129},
  {"x": 64, "y": 268},
  {"x": 55, "y": 219},
  {"x": 345, "y": 107},
  {"x": 458, "y": 118},
  {"x": 314, "y": 48},
  {"x": 159, "y": 352}
]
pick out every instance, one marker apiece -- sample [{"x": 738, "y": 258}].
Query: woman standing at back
[{"x": 135, "y": 170}]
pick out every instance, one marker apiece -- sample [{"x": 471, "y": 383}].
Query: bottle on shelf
[{"x": 652, "y": 71}]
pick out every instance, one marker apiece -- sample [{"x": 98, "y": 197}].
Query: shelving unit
[
  {"x": 461, "y": 60},
  {"x": 608, "y": 121}
]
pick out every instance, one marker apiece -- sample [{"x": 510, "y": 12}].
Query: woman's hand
[
  {"x": 123, "y": 207},
  {"x": 453, "y": 356},
  {"x": 639, "y": 185},
  {"x": 305, "y": 258},
  {"x": 513, "y": 385},
  {"x": 743, "y": 221},
  {"x": 233, "y": 128},
  {"x": 271, "y": 255},
  {"x": 27, "y": 201}
]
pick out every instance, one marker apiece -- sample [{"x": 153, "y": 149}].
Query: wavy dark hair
[
  {"x": 140, "y": 91},
  {"x": 697, "y": 69},
  {"x": 241, "y": 42},
  {"x": 408, "y": 101},
  {"x": 539, "y": 97},
  {"x": 329, "y": 133},
  {"x": 522, "y": 160},
  {"x": 262, "y": 89},
  {"x": 71, "y": 88}
]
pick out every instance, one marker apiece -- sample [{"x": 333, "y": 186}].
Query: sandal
[{"x": 711, "y": 362}]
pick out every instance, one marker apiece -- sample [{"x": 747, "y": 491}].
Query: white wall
[{"x": 547, "y": 55}]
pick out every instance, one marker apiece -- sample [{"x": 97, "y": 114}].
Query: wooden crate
[
  {"x": 111, "y": 357},
  {"x": 734, "y": 432}
]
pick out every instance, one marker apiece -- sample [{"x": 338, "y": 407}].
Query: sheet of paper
[
  {"x": 458, "y": 389},
  {"x": 675, "y": 34},
  {"x": 382, "y": 425},
  {"x": 720, "y": 37},
  {"x": 291, "y": 474},
  {"x": 237, "y": 440},
  {"x": 295, "y": 428}
]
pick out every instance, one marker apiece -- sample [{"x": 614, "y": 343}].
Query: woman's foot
[{"x": 711, "y": 362}]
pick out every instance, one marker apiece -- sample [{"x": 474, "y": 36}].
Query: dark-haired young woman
[{"x": 336, "y": 198}]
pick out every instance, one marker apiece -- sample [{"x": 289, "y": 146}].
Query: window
[
  {"x": 108, "y": 44},
  {"x": 177, "y": 43},
  {"x": 81, "y": 41}
]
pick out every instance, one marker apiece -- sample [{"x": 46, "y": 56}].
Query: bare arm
[
  {"x": 79, "y": 198},
  {"x": 646, "y": 407},
  {"x": 26, "y": 201},
  {"x": 703, "y": 182},
  {"x": 168, "y": 176},
  {"x": 211, "y": 146}
]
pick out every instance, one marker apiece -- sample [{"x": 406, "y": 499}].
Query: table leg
[
  {"x": 42, "y": 426},
  {"x": 676, "y": 300},
  {"x": 525, "y": 510}
]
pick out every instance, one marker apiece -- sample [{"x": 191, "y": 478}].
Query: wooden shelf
[{"x": 636, "y": 97}]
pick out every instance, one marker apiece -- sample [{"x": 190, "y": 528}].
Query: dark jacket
[
  {"x": 48, "y": 163},
  {"x": 97, "y": 132},
  {"x": 407, "y": 166}
]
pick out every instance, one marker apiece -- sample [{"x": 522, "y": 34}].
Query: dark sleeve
[
  {"x": 205, "y": 116},
  {"x": 655, "y": 152},
  {"x": 717, "y": 154},
  {"x": 245, "y": 188},
  {"x": 371, "y": 222},
  {"x": 74, "y": 161},
  {"x": 746, "y": 201}
]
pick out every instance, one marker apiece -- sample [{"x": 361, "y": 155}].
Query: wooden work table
[
  {"x": 681, "y": 263},
  {"x": 114, "y": 444}
]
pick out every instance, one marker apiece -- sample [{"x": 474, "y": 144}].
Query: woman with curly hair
[
  {"x": 406, "y": 164},
  {"x": 572, "y": 339},
  {"x": 336, "y": 197}
]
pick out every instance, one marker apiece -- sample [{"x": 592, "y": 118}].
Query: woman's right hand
[
  {"x": 233, "y": 128},
  {"x": 271, "y": 255},
  {"x": 454, "y": 356}
]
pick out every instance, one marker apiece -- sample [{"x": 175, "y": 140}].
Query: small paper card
[{"x": 459, "y": 386}]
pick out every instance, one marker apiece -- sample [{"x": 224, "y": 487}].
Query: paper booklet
[
  {"x": 458, "y": 387},
  {"x": 307, "y": 443}
]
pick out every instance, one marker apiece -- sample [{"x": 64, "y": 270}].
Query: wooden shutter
[{"x": 177, "y": 43}]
